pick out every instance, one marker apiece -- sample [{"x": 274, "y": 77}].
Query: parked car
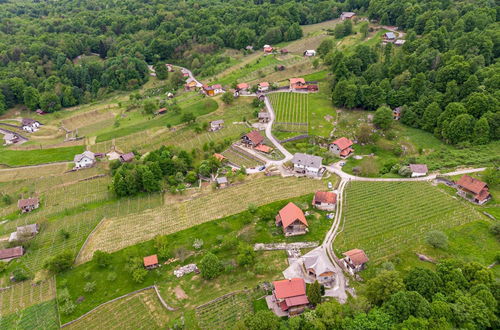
[
  {"x": 330, "y": 185},
  {"x": 262, "y": 168}
]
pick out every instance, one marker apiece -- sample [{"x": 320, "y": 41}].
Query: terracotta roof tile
[
  {"x": 471, "y": 184},
  {"x": 343, "y": 143},
  {"x": 357, "y": 256},
  {"x": 289, "y": 288},
  {"x": 325, "y": 197},
  {"x": 150, "y": 260},
  {"x": 290, "y": 213}
]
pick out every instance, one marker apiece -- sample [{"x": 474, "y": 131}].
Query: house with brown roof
[
  {"x": 418, "y": 170},
  {"x": 252, "y": 139},
  {"x": 292, "y": 219},
  {"x": 319, "y": 268},
  {"x": 263, "y": 86},
  {"x": 161, "y": 111},
  {"x": 128, "y": 157},
  {"x": 297, "y": 84},
  {"x": 28, "y": 204},
  {"x": 151, "y": 262},
  {"x": 7, "y": 255},
  {"x": 30, "y": 125},
  {"x": 268, "y": 49},
  {"x": 85, "y": 159},
  {"x": 216, "y": 125},
  {"x": 290, "y": 296},
  {"x": 221, "y": 158},
  {"x": 473, "y": 189},
  {"x": 222, "y": 182},
  {"x": 347, "y": 15},
  {"x": 325, "y": 200},
  {"x": 242, "y": 87},
  {"x": 354, "y": 260},
  {"x": 341, "y": 147},
  {"x": 263, "y": 148}
]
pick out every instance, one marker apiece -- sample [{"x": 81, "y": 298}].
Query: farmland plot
[
  {"x": 41, "y": 316},
  {"x": 240, "y": 159},
  {"x": 116, "y": 233},
  {"x": 142, "y": 310},
  {"x": 25, "y": 294},
  {"x": 225, "y": 311},
  {"x": 384, "y": 218},
  {"x": 87, "y": 119},
  {"x": 291, "y": 111},
  {"x": 12, "y": 174}
]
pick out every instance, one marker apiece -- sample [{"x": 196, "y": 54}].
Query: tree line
[
  {"x": 445, "y": 77},
  {"x": 42, "y": 42}
]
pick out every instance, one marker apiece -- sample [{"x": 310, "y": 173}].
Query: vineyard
[
  {"x": 41, "y": 316},
  {"x": 291, "y": 112},
  {"x": 141, "y": 310},
  {"x": 385, "y": 218},
  {"x": 29, "y": 173},
  {"x": 225, "y": 311},
  {"x": 240, "y": 159},
  {"x": 116, "y": 233},
  {"x": 25, "y": 294}
]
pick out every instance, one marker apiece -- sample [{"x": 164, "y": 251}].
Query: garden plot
[
  {"x": 87, "y": 119},
  {"x": 41, "y": 316},
  {"x": 141, "y": 310},
  {"x": 116, "y": 233},
  {"x": 24, "y": 173},
  {"x": 240, "y": 159},
  {"x": 291, "y": 111},
  {"x": 25, "y": 294},
  {"x": 225, "y": 311},
  {"x": 386, "y": 218}
]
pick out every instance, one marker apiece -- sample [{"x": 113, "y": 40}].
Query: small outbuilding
[
  {"x": 297, "y": 84},
  {"x": 216, "y": 125},
  {"x": 7, "y": 255},
  {"x": 418, "y": 170},
  {"x": 24, "y": 232},
  {"x": 221, "y": 158},
  {"x": 310, "y": 52},
  {"x": 355, "y": 260},
  {"x": 341, "y": 147},
  {"x": 389, "y": 36},
  {"x": 85, "y": 159},
  {"x": 396, "y": 113},
  {"x": 151, "y": 262},
  {"x": 127, "y": 158},
  {"x": 325, "y": 200},
  {"x": 263, "y": 86},
  {"x": 267, "y": 49},
  {"x": 28, "y": 204},
  {"x": 10, "y": 138},
  {"x": 473, "y": 189},
  {"x": 30, "y": 125},
  {"x": 242, "y": 87},
  {"x": 292, "y": 219},
  {"x": 264, "y": 117},
  {"x": 222, "y": 182},
  {"x": 347, "y": 15},
  {"x": 399, "y": 42}
]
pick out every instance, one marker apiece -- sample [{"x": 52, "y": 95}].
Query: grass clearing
[
  {"x": 116, "y": 233},
  {"x": 385, "y": 218},
  {"x": 142, "y": 310},
  {"x": 14, "y": 174},
  {"x": 40, "y": 156}
]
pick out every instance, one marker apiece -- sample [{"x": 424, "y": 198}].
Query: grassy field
[
  {"x": 26, "y": 294},
  {"x": 116, "y": 233},
  {"x": 292, "y": 112},
  {"x": 388, "y": 218},
  {"x": 227, "y": 310},
  {"x": 142, "y": 310},
  {"x": 15, "y": 174},
  {"x": 41, "y": 156},
  {"x": 40, "y": 316}
]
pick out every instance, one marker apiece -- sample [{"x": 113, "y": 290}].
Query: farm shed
[
  {"x": 222, "y": 182},
  {"x": 263, "y": 86},
  {"x": 10, "y": 138},
  {"x": 341, "y": 147},
  {"x": 23, "y": 232},
  {"x": 473, "y": 189},
  {"x": 264, "y": 117},
  {"x": 30, "y": 125},
  {"x": 216, "y": 125},
  {"x": 85, "y": 159},
  {"x": 12, "y": 253},
  {"x": 151, "y": 262},
  {"x": 253, "y": 139},
  {"x": 347, "y": 15},
  {"x": 418, "y": 170},
  {"x": 128, "y": 157},
  {"x": 292, "y": 219},
  {"x": 325, "y": 200},
  {"x": 28, "y": 204},
  {"x": 355, "y": 260}
]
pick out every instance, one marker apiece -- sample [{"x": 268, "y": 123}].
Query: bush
[
  {"x": 59, "y": 262},
  {"x": 246, "y": 255},
  {"x": 495, "y": 230},
  {"x": 64, "y": 234},
  {"x": 437, "y": 239},
  {"x": 139, "y": 274},
  {"x": 111, "y": 277},
  {"x": 198, "y": 243},
  {"x": 210, "y": 266},
  {"x": 89, "y": 287},
  {"x": 67, "y": 308},
  {"x": 101, "y": 258},
  {"x": 20, "y": 274},
  {"x": 227, "y": 97}
]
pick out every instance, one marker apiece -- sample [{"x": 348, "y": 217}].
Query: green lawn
[
  {"x": 251, "y": 67},
  {"x": 39, "y": 156},
  {"x": 198, "y": 108},
  {"x": 220, "y": 236}
]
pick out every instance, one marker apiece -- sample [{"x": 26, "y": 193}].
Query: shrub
[
  {"x": 495, "y": 230},
  {"x": 19, "y": 274},
  {"x": 64, "y": 234},
  {"x": 89, "y": 287},
  {"x": 246, "y": 255},
  {"x": 67, "y": 308},
  {"x": 210, "y": 266},
  {"x": 437, "y": 239},
  {"x": 252, "y": 208},
  {"x": 198, "y": 243},
  {"x": 139, "y": 274},
  {"x": 59, "y": 262},
  {"x": 101, "y": 258},
  {"x": 111, "y": 277}
]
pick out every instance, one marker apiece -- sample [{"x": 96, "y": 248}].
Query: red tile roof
[
  {"x": 357, "y": 256},
  {"x": 290, "y": 213},
  {"x": 289, "y": 288},
  {"x": 242, "y": 86},
  {"x": 297, "y": 81},
  {"x": 127, "y": 157},
  {"x": 255, "y": 137},
  {"x": 264, "y": 84},
  {"x": 219, "y": 157},
  {"x": 14, "y": 252},
  {"x": 483, "y": 194},
  {"x": 296, "y": 301},
  {"x": 471, "y": 184},
  {"x": 325, "y": 197},
  {"x": 263, "y": 148},
  {"x": 27, "y": 202},
  {"x": 150, "y": 260},
  {"x": 343, "y": 143},
  {"x": 418, "y": 168},
  {"x": 346, "y": 151},
  {"x": 217, "y": 86}
]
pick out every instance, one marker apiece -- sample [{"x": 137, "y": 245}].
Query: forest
[
  {"x": 445, "y": 77},
  {"x": 42, "y": 42}
]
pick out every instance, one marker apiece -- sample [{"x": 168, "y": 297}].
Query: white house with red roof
[
  {"x": 341, "y": 147},
  {"x": 263, "y": 86},
  {"x": 298, "y": 84},
  {"x": 290, "y": 296},
  {"x": 325, "y": 200},
  {"x": 354, "y": 260},
  {"x": 473, "y": 189},
  {"x": 242, "y": 87},
  {"x": 292, "y": 219}
]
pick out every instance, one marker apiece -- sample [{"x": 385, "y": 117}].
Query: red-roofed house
[
  {"x": 263, "y": 148},
  {"x": 263, "y": 86},
  {"x": 242, "y": 87},
  {"x": 28, "y": 204},
  {"x": 252, "y": 139},
  {"x": 341, "y": 147},
  {"x": 297, "y": 84},
  {"x": 473, "y": 189},
  {"x": 292, "y": 219},
  {"x": 268, "y": 49},
  {"x": 355, "y": 260},
  {"x": 325, "y": 200},
  {"x": 151, "y": 262},
  {"x": 290, "y": 295}
]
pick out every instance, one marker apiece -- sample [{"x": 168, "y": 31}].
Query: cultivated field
[
  {"x": 41, "y": 316},
  {"x": 12, "y": 174},
  {"x": 224, "y": 312},
  {"x": 240, "y": 159},
  {"x": 291, "y": 111},
  {"x": 386, "y": 218},
  {"x": 142, "y": 310},
  {"x": 89, "y": 118},
  {"x": 116, "y": 233},
  {"x": 25, "y": 294}
]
